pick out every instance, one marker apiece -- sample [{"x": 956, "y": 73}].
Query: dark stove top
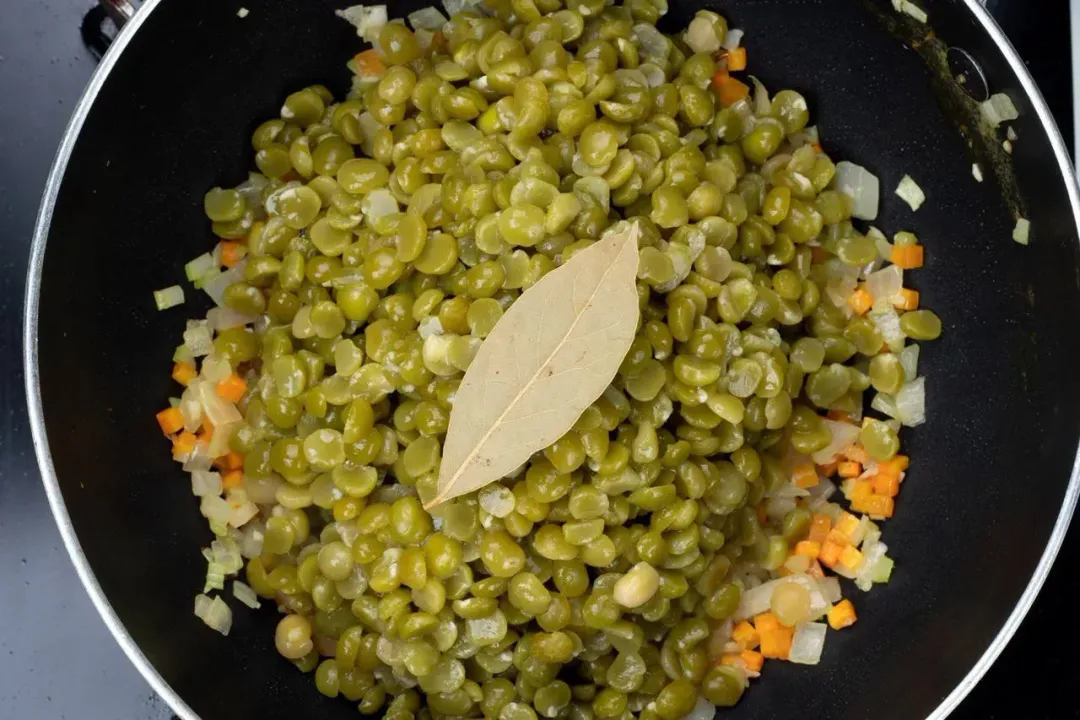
[{"x": 57, "y": 659}]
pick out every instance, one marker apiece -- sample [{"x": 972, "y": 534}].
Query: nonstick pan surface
[{"x": 983, "y": 509}]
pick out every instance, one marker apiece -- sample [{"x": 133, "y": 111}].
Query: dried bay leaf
[{"x": 549, "y": 357}]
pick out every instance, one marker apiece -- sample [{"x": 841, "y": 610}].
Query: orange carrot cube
[
  {"x": 847, "y": 525},
  {"x": 809, "y": 548},
  {"x": 849, "y": 469},
  {"x": 170, "y": 420},
  {"x": 753, "y": 660},
  {"x": 876, "y": 506},
  {"x": 183, "y": 373},
  {"x": 804, "y": 476},
  {"x": 820, "y": 525},
  {"x": 906, "y": 300},
  {"x": 828, "y": 469},
  {"x": 860, "y": 301},
  {"x": 232, "y": 479},
  {"x": 907, "y": 257},
  {"x": 886, "y": 484},
  {"x": 232, "y": 388},
  {"x": 842, "y": 615},
  {"x": 736, "y": 59},
  {"x": 183, "y": 445},
  {"x": 746, "y": 635},
  {"x": 830, "y": 552},
  {"x": 850, "y": 557}
]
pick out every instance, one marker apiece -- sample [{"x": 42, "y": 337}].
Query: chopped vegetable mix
[{"x": 693, "y": 524}]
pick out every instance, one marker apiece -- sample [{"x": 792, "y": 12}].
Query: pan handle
[{"x": 103, "y": 21}]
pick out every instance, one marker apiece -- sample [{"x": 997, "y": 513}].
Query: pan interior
[{"x": 990, "y": 467}]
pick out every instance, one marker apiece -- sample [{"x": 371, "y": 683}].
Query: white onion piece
[
  {"x": 762, "y": 103},
  {"x": 218, "y": 409},
  {"x": 871, "y": 555},
  {"x": 884, "y": 404},
  {"x": 223, "y": 318},
  {"x": 910, "y": 192},
  {"x": 367, "y": 19},
  {"x": 843, "y": 436},
  {"x": 887, "y": 321},
  {"x": 215, "y": 369},
  {"x": 1022, "y": 231},
  {"x": 861, "y": 186},
  {"x": 830, "y": 589},
  {"x": 703, "y": 710},
  {"x": 427, "y": 19},
  {"x": 219, "y": 443},
  {"x": 998, "y": 109},
  {"x": 807, "y": 644},
  {"x": 251, "y": 539},
  {"x": 911, "y": 403},
  {"x": 885, "y": 284},
  {"x": 651, "y": 42},
  {"x": 215, "y": 509},
  {"x": 909, "y": 360},
  {"x": 197, "y": 338},
  {"x": 204, "y": 482},
  {"x": 734, "y": 37}
]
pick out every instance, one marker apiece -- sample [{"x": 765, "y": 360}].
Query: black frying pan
[{"x": 982, "y": 514}]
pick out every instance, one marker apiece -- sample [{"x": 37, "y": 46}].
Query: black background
[{"x": 57, "y": 659}]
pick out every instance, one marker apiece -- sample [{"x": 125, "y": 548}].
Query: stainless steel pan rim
[{"x": 56, "y": 499}]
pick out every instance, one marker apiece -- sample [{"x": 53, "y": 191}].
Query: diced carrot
[
  {"x": 731, "y": 659},
  {"x": 860, "y": 301},
  {"x": 170, "y": 420},
  {"x": 906, "y": 300},
  {"x": 232, "y": 479},
  {"x": 369, "y": 63},
  {"x": 842, "y": 615},
  {"x": 804, "y": 476},
  {"x": 183, "y": 373},
  {"x": 809, "y": 548},
  {"x": 736, "y": 59},
  {"x": 230, "y": 253},
  {"x": 838, "y": 416},
  {"x": 232, "y": 388},
  {"x": 907, "y": 257},
  {"x": 746, "y": 635},
  {"x": 847, "y": 525},
  {"x": 207, "y": 427},
  {"x": 820, "y": 525},
  {"x": 729, "y": 89},
  {"x": 234, "y": 460},
  {"x": 815, "y": 571},
  {"x": 830, "y": 552},
  {"x": 850, "y": 557},
  {"x": 761, "y": 514},
  {"x": 817, "y": 147},
  {"x": 438, "y": 40},
  {"x": 775, "y": 638},
  {"x": 766, "y": 622},
  {"x": 857, "y": 454},
  {"x": 849, "y": 469},
  {"x": 886, "y": 484},
  {"x": 876, "y": 506},
  {"x": 828, "y": 469},
  {"x": 753, "y": 660},
  {"x": 860, "y": 490},
  {"x": 818, "y": 254},
  {"x": 896, "y": 465},
  {"x": 183, "y": 445}
]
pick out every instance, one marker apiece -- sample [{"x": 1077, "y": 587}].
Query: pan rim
[{"x": 55, "y": 495}]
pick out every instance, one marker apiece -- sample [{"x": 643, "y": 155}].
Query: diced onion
[
  {"x": 367, "y": 19},
  {"x": 169, "y": 297},
  {"x": 887, "y": 322},
  {"x": 884, "y": 404},
  {"x": 999, "y": 109},
  {"x": 215, "y": 613},
  {"x": 843, "y": 436},
  {"x": 910, "y": 192},
  {"x": 219, "y": 443},
  {"x": 218, "y": 409},
  {"x": 226, "y": 553},
  {"x": 251, "y": 539},
  {"x": 1010, "y": 133},
  {"x": 191, "y": 406},
  {"x": 1022, "y": 231},
  {"x": 762, "y": 103},
  {"x": 909, "y": 360},
  {"x": 861, "y": 186},
  {"x": 430, "y": 325},
  {"x": 703, "y": 710},
  {"x": 223, "y": 318},
  {"x": 215, "y": 509},
  {"x": 911, "y": 403},
  {"x": 204, "y": 482},
  {"x": 734, "y": 37},
  {"x": 830, "y": 589},
  {"x": 427, "y": 19},
  {"x": 197, "y": 338},
  {"x": 240, "y": 515},
  {"x": 245, "y": 594},
  {"x": 807, "y": 644},
  {"x": 909, "y": 8},
  {"x": 871, "y": 556},
  {"x": 976, "y": 172},
  {"x": 198, "y": 267},
  {"x": 885, "y": 284}
]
